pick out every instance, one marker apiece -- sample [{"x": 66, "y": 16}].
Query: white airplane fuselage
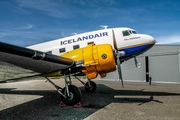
[{"x": 126, "y": 39}]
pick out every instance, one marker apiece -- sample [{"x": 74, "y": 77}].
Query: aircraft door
[{"x": 118, "y": 38}]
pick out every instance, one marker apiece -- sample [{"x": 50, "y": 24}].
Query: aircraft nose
[{"x": 150, "y": 39}]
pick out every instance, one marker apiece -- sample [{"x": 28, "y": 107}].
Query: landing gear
[
  {"x": 90, "y": 87},
  {"x": 74, "y": 95},
  {"x": 71, "y": 94}
]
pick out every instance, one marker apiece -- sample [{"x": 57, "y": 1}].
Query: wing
[{"x": 34, "y": 61}]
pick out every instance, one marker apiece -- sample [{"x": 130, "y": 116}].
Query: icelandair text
[{"x": 88, "y": 37}]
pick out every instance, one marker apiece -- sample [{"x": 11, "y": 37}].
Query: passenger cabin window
[
  {"x": 125, "y": 33},
  {"x": 75, "y": 47},
  {"x": 49, "y": 52},
  {"x": 62, "y": 50},
  {"x": 90, "y": 43}
]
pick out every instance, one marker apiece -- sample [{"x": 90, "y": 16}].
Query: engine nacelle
[{"x": 98, "y": 59}]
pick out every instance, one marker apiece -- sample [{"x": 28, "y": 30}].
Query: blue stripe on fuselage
[{"x": 134, "y": 51}]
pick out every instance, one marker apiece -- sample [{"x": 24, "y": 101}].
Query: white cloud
[
  {"x": 69, "y": 8},
  {"x": 21, "y": 27},
  {"x": 94, "y": 3},
  {"x": 28, "y": 37},
  {"x": 28, "y": 26},
  {"x": 168, "y": 39},
  {"x": 49, "y": 7}
]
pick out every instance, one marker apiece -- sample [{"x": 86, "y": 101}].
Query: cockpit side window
[
  {"x": 134, "y": 32},
  {"x": 125, "y": 33}
]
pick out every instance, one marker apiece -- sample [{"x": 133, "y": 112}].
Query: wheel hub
[
  {"x": 71, "y": 96},
  {"x": 90, "y": 87}
]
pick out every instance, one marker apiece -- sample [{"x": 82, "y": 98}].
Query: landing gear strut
[
  {"x": 71, "y": 94},
  {"x": 89, "y": 86}
]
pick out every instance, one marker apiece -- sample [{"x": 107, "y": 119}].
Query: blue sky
[{"x": 27, "y": 22}]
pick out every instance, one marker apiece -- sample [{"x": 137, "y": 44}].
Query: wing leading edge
[{"x": 34, "y": 60}]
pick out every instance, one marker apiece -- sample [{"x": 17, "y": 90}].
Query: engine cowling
[{"x": 98, "y": 59}]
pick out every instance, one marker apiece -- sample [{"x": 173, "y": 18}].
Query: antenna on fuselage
[
  {"x": 74, "y": 33},
  {"x": 104, "y": 26}
]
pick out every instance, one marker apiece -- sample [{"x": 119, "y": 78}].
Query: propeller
[
  {"x": 136, "y": 63},
  {"x": 118, "y": 55}
]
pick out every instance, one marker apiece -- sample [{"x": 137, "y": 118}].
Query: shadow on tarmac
[{"x": 48, "y": 107}]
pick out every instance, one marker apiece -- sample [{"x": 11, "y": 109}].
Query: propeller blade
[
  {"x": 119, "y": 71},
  {"x": 136, "y": 63}
]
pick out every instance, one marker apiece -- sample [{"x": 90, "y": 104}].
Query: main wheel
[
  {"x": 74, "y": 95},
  {"x": 92, "y": 88}
]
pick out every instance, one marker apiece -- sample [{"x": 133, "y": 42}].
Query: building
[{"x": 161, "y": 63}]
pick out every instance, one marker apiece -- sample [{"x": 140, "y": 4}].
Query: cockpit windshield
[
  {"x": 128, "y": 32},
  {"x": 125, "y": 33}
]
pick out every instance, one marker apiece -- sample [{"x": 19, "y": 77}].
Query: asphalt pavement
[{"x": 38, "y": 100}]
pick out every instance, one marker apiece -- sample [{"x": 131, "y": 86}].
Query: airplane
[{"x": 87, "y": 54}]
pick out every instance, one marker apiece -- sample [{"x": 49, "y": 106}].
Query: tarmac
[{"x": 39, "y": 100}]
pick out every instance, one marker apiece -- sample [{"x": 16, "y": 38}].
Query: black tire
[
  {"x": 75, "y": 95},
  {"x": 92, "y": 87}
]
